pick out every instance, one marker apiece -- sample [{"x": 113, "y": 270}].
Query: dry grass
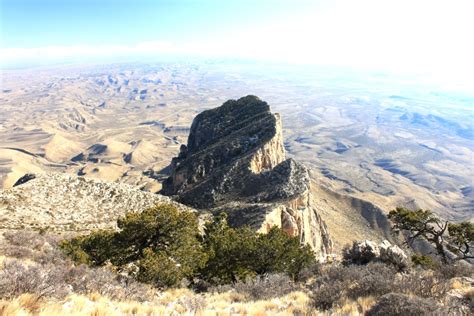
[
  {"x": 456, "y": 284},
  {"x": 177, "y": 302},
  {"x": 36, "y": 280},
  {"x": 357, "y": 307}
]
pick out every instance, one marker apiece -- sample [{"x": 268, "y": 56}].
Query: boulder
[
  {"x": 393, "y": 254},
  {"x": 27, "y": 177},
  {"x": 363, "y": 252}
]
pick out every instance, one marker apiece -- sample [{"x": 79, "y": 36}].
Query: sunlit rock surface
[{"x": 235, "y": 162}]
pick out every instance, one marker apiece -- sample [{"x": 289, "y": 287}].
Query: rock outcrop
[
  {"x": 27, "y": 177},
  {"x": 235, "y": 162},
  {"x": 363, "y": 252}
]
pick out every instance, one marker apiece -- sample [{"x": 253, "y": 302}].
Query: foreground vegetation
[
  {"x": 162, "y": 246},
  {"x": 451, "y": 241},
  {"x": 141, "y": 270}
]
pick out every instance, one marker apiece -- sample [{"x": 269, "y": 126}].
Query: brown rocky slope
[{"x": 235, "y": 162}]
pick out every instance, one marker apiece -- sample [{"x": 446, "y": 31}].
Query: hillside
[
  {"x": 62, "y": 202},
  {"x": 249, "y": 177}
]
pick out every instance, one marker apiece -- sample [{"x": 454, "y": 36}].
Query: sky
[{"x": 412, "y": 36}]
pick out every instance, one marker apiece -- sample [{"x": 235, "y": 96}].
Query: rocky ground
[{"x": 62, "y": 202}]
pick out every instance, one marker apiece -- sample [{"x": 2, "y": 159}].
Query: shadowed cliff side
[{"x": 235, "y": 162}]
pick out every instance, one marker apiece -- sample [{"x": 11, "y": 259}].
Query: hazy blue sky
[
  {"x": 401, "y": 35},
  {"x": 38, "y": 23}
]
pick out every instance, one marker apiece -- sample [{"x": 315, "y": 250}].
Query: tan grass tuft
[
  {"x": 351, "y": 307},
  {"x": 177, "y": 302},
  {"x": 12, "y": 308},
  {"x": 30, "y": 302}
]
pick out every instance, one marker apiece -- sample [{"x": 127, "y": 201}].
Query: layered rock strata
[{"x": 235, "y": 162}]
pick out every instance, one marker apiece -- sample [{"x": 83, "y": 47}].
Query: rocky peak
[
  {"x": 237, "y": 131},
  {"x": 235, "y": 162},
  {"x": 210, "y": 127}
]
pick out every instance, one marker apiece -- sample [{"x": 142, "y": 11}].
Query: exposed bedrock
[{"x": 235, "y": 162}]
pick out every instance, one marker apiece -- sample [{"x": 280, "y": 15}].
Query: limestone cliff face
[
  {"x": 271, "y": 153},
  {"x": 235, "y": 163}
]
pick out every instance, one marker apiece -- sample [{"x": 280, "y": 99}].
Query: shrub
[
  {"x": 459, "y": 239},
  {"x": 310, "y": 272},
  {"x": 395, "y": 304},
  {"x": 278, "y": 252},
  {"x": 17, "y": 278},
  {"x": 24, "y": 244},
  {"x": 161, "y": 241},
  {"x": 25, "y": 238},
  {"x": 372, "y": 280},
  {"x": 462, "y": 304},
  {"x": 326, "y": 295},
  {"x": 161, "y": 246},
  {"x": 360, "y": 252},
  {"x": 229, "y": 252},
  {"x": 73, "y": 249},
  {"x": 262, "y": 287},
  {"x": 458, "y": 269},
  {"x": 354, "y": 281},
  {"x": 469, "y": 299},
  {"x": 59, "y": 280},
  {"x": 159, "y": 269},
  {"x": 426, "y": 262},
  {"x": 424, "y": 284},
  {"x": 19, "y": 252},
  {"x": 239, "y": 253},
  {"x": 86, "y": 280}
]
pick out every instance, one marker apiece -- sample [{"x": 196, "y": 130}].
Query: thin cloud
[
  {"x": 9, "y": 55},
  {"x": 431, "y": 37}
]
